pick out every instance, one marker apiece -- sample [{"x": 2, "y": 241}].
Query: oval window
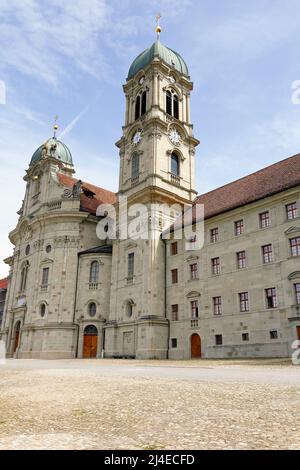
[{"x": 92, "y": 309}]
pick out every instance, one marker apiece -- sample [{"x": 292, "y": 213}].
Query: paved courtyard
[{"x": 94, "y": 404}]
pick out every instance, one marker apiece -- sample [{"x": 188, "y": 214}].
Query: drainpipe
[
  {"x": 74, "y": 313},
  {"x": 166, "y": 316}
]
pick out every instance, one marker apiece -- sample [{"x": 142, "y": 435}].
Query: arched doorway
[
  {"x": 90, "y": 341},
  {"x": 195, "y": 346},
  {"x": 17, "y": 336}
]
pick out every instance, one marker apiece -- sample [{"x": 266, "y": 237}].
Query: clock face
[
  {"x": 141, "y": 80},
  {"x": 174, "y": 137},
  {"x": 137, "y": 137}
]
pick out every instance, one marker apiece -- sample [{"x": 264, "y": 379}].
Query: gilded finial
[
  {"x": 55, "y": 127},
  {"x": 158, "y": 27}
]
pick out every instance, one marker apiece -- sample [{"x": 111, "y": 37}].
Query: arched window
[
  {"x": 92, "y": 309},
  {"x": 175, "y": 164},
  {"x": 144, "y": 103},
  {"x": 175, "y": 107},
  {"x": 169, "y": 103},
  {"x": 24, "y": 275},
  {"x": 129, "y": 308},
  {"x": 135, "y": 166},
  {"x": 172, "y": 104},
  {"x": 43, "y": 310},
  {"x": 137, "y": 107},
  {"x": 94, "y": 272},
  {"x": 141, "y": 105}
]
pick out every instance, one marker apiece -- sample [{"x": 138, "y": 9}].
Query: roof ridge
[{"x": 247, "y": 176}]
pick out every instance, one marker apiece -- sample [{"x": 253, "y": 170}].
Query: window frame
[
  {"x": 241, "y": 262},
  {"x": 94, "y": 272},
  {"x": 273, "y": 296},
  {"x": 295, "y": 247},
  {"x": 217, "y": 306},
  {"x": 244, "y": 302},
  {"x": 174, "y": 276},
  {"x": 292, "y": 210},
  {"x": 264, "y": 222},
  {"x": 216, "y": 266},
  {"x": 214, "y": 235},
  {"x": 239, "y": 227},
  {"x": 267, "y": 256}
]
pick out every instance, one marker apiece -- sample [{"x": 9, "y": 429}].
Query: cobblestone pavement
[{"x": 149, "y": 405}]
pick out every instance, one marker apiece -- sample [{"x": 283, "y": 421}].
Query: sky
[{"x": 71, "y": 57}]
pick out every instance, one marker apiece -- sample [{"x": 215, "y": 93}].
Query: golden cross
[{"x": 158, "y": 28}]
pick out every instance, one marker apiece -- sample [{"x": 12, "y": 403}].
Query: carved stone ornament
[{"x": 73, "y": 193}]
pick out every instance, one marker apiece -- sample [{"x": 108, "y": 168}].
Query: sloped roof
[
  {"x": 89, "y": 204},
  {"x": 106, "y": 249},
  {"x": 261, "y": 184},
  {"x": 3, "y": 283}
]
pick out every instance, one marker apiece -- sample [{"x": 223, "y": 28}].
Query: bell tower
[
  {"x": 157, "y": 149},
  {"x": 157, "y": 166}
]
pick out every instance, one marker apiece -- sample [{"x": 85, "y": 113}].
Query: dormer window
[
  {"x": 141, "y": 105},
  {"x": 172, "y": 104}
]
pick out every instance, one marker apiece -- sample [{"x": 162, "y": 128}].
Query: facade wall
[{"x": 254, "y": 279}]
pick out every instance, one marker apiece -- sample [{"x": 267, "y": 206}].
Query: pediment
[
  {"x": 46, "y": 261},
  {"x": 192, "y": 258},
  {"x": 294, "y": 275},
  {"x": 292, "y": 230},
  {"x": 193, "y": 294}
]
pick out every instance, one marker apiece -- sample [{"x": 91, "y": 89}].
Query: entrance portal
[
  {"x": 195, "y": 346},
  {"x": 90, "y": 341},
  {"x": 17, "y": 336}
]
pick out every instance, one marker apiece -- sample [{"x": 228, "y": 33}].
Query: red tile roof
[
  {"x": 3, "y": 283},
  {"x": 101, "y": 196},
  {"x": 263, "y": 183}
]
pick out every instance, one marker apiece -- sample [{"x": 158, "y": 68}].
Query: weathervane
[
  {"x": 158, "y": 27},
  {"x": 55, "y": 127}
]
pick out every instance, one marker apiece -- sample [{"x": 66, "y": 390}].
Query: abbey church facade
[{"x": 72, "y": 295}]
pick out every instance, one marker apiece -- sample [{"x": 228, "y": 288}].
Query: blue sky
[{"x": 71, "y": 57}]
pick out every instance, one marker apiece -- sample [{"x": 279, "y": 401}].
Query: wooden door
[
  {"x": 195, "y": 346},
  {"x": 17, "y": 337},
  {"x": 90, "y": 342}
]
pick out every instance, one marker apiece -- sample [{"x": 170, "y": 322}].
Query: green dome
[
  {"x": 158, "y": 50},
  {"x": 53, "y": 148}
]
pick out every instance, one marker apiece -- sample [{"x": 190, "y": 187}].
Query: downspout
[
  {"x": 165, "y": 306},
  {"x": 75, "y": 304}
]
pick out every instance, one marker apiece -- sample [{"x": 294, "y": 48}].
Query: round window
[
  {"x": 92, "y": 309},
  {"x": 48, "y": 249},
  {"x": 27, "y": 250},
  {"x": 43, "y": 310}
]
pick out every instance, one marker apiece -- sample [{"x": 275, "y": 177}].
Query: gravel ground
[{"x": 149, "y": 405}]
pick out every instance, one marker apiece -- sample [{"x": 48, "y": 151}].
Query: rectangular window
[
  {"x": 295, "y": 246},
  {"x": 244, "y": 302},
  {"x": 274, "y": 334},
  {"x": 194, "y": 271},
  {"x": 271, "y": 298},
  {"x": 217, "y": 304},
  {"x": 174, "y": 248},
  {"x": 130, "y": 272},
  {"x": 245, "y": 336},
  {"x": 297, "y": 291},
  {"x": 267, "y": 252},
  {"x": 174, "y": 312},
  {"x": 174, "y": 343},
  {"x": 174, "y": 275},
  {"x": 216, "y": 266},
  {"x": 264, "y": 219},
  {"x": 241, "y": 260},
  {"x": 194, "y": 309},
  {"x": 239, "y": 227},
  {"x": 214, "y": 235},
  {"x": 291, "y": 211},
  {"x": 219, "y": 340},
  {"x": 45, "y": 277}
]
